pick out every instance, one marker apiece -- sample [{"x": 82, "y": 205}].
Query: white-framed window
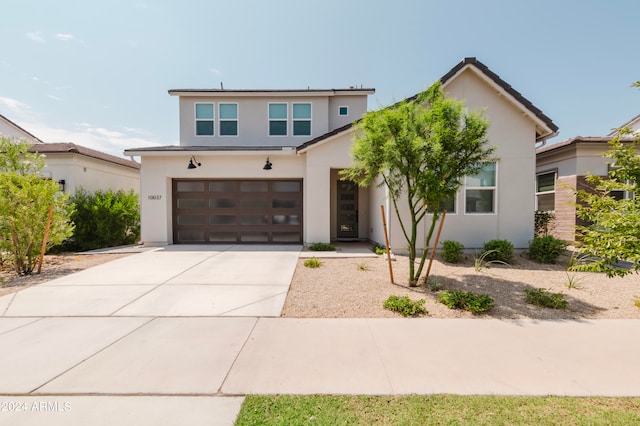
[
  {"x": 228, "y": 119},
  {"x": 205, "y": 119},
  {"x": 546, "y": 191},
  {"x": 480, "y": 190},
  {"x": 343, "y": 110},
  {"x": 301, "y": 119},
  {"x": 278, "y": 119}
]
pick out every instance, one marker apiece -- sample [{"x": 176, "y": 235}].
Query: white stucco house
[
  {"x": 261, "y": 166},
  {"x": 74, "y": 166}
]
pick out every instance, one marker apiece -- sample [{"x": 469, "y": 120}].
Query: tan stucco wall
[
  {"x": 253, "y": 119},
  {"x": 323, "y": 163},
  {"x": 513, "y": 135}
]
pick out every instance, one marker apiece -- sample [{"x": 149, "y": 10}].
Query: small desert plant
[
  {"x": 362, "y": 267},
  {"x": 573, "y": 280},
  {"x": 378, "y": 249},
  {"x": 468, "y": 300},
  {"x": 541, "y": 297},
  {"x": 452, "y": 251},
  {"x": 405, "y": 306},
  {"x": 501, "y": 250},
  {"x": 543, "y": 223},
  {"x": 546, "y": 249},
  {"x": 312, "y": 262},
  {"x": 434, "y": 285},
  {"x": 321, "y": 247},
  {"x": 637, "y": 302},
  {"x": 481, "y": 262}
]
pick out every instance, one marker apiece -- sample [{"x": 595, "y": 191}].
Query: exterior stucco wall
[
  {"x": 357, "y": 107},
  {"x": 158, "y": 172},
  {"x": 253, "y": 121},
  {"x": 9, "y": 131},
  {"x": 91, "y": 174},
  {"x": 323, "y": 163},
  {"x": 513, "y": 135}
]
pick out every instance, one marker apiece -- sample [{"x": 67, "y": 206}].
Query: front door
[{"x": 347, "y": 209}]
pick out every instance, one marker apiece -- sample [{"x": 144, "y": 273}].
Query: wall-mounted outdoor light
[
  {"x": 191, "y": 165},
  {"x": 61, "y": 184},
  {"x": 267, "y": 165}
]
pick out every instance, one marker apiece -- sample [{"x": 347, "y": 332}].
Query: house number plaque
[{"x": 155, "y": 197}]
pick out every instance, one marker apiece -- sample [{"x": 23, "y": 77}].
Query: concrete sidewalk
[{"x": 145, "y": 340}]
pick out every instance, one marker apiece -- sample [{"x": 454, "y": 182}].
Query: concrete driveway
[{"x": 146, "y": 339}]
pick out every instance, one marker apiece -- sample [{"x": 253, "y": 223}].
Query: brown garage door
[{"x": 237, "y": 211}]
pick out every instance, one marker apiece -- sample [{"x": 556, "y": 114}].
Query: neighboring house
[
  {"x": 9, "y": 129},
  {"x": 562, "y": 168},
  {"x": 262, "y": 166},
  {"x": 74, "y": 166},
  {"x": 633, "y": 125}
]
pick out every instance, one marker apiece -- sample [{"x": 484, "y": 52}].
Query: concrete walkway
[{"x": 179, "y": 335}]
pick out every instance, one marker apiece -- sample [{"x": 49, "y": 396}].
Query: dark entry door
[{"x": 347, "y": 209}]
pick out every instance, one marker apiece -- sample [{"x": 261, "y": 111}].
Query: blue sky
[{"x": 97, "y": 72}]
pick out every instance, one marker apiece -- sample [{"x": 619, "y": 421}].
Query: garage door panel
[{"x": 241, "y": 211}]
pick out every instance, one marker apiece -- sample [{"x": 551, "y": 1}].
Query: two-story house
[{"x": 262, "y": 166}]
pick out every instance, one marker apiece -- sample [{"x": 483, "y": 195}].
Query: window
[
  {"x": 301, "y": 119},
  {"x": 228, "y": 117},
  {"x": 204, "y": 119},
  {"x": 343, "y": 110},
  {"x": 545, "y": 191},
  {"x": 277, "y": 119},
  {"x": 480, "y": 191}
]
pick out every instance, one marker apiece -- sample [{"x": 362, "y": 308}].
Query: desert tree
[
  {"x": 610, "y": 242},
  {"x": 25, "y": 200},
  {"x": 420, "y": 149}
]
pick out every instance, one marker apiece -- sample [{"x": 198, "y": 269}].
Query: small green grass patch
[{"x": 332, "y": 410}]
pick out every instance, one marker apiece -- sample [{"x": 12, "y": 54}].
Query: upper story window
[
  {"x": 343, "y": 110},
  {"x": 480, "y": 190},
  {"x": 302, "y": 119},
  {"x": 228, "y": 118},
  {"x": 204, "y": 119},
  {"x": 278, "y": 119},
  {"x": 545, "y": 191}
]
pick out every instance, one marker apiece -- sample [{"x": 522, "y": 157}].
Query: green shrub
[
  {"x": 546, "y": 249},
  {"x": 451, "y": 251},
  {"x": 541, "y": 297},
  {"x": 321, "y": 247},
  {"x": 312, "y": 263},
  {"x": 501, "y": 250},
  {"x": 470, "y": 301},
  {"x": 378, "y": 249},
  {"x": 104, "y": 219},
  {"x": 405, "y": 306}
]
